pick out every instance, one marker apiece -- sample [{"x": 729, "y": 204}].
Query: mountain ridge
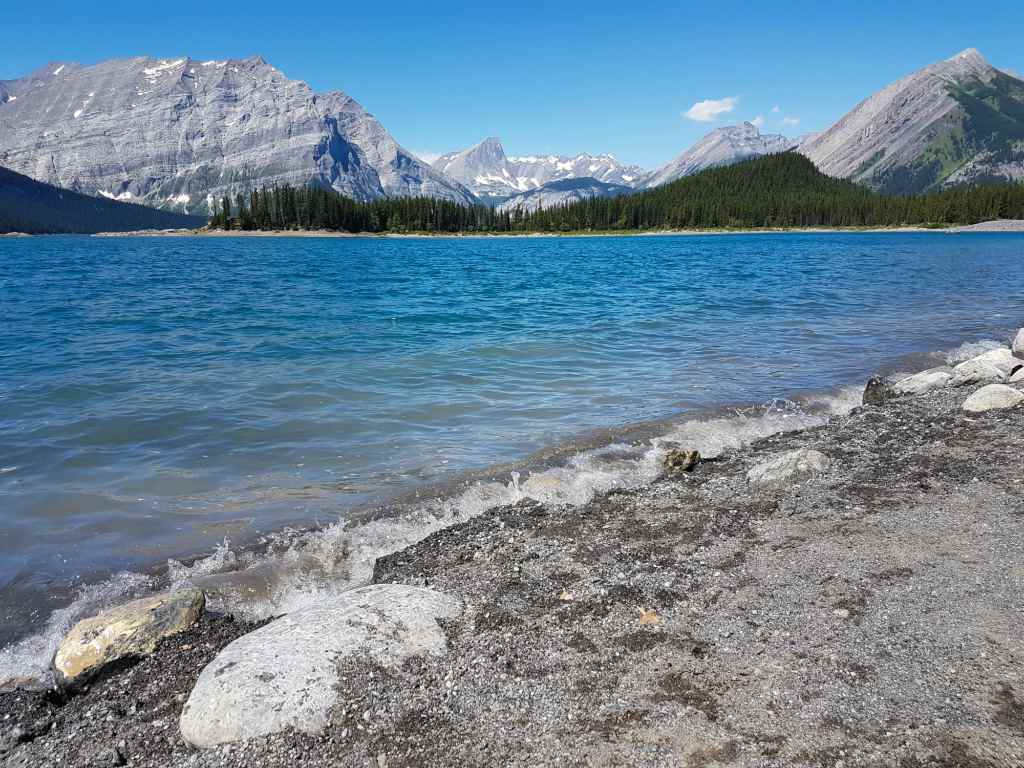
[
  {"x": 954, "y": 121},
  {"x": 182, "y": 133},
  {"x": 491, "y": 174}
]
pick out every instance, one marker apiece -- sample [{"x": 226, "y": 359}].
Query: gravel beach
[{"x": 867, "y": 611}]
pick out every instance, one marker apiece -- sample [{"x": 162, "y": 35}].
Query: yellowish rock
[{"x": 132, "y": 629}]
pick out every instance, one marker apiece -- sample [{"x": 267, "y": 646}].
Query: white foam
[{"x": 971, "y": 349}]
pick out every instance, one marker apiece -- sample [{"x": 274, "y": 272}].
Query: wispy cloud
[
  {"x": 710, "y": 110},
  {"x": 758, "y": 121},
  {"x": 776, "y": 109},
  {"x": 789, "y": 122}
]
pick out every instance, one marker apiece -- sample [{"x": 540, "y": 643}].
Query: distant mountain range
[
  {"x": 561, "y": 192},
  {"x": 27, "y": 205},
  {"x": 485, "y": 169},
  {"x": 180, "y": 134}
]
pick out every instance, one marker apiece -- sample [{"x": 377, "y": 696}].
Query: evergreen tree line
[{"x": 783, "y": 190}]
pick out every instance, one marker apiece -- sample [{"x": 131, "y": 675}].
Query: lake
[{"x": 159, "y": 396}]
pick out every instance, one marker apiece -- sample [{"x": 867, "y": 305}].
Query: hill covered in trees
[
  {"x": 774, "y": 191},
  {"x": 27, "y": 205}
]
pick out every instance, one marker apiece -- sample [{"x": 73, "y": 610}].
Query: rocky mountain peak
[
  {"x": 950, "y": 122},
  {"x": 183, "y": 132}
]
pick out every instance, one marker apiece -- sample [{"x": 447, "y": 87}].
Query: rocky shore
[{"x": 849, "y": 595}]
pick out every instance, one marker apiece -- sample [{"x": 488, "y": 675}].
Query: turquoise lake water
[{"x": 158, "y": 395}]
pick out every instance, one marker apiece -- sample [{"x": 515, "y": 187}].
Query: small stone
[
  {"x": 993, "y": 397},
  {"x": 680, "y": 460},
  {"x": 132, "y": 629},
  {"x": 877, "y": 391},
  {"x": 841, "y": 613}
]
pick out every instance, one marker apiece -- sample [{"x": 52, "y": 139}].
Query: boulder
[
  {"x": 993, "y": 397},
  {"x": 925, "y": 381},
  {"x": 284, "y": 675},
  {"x": 1017, "y": 377},
  {"x": 1018, "y": 343},
  {"x": 129, "y": 630},
  {"x": 1003, "y": 359},
  {"x": 976, "y": 371},
  {"x": 679, "y": 460},
  {"x": 791, "y": 465}
]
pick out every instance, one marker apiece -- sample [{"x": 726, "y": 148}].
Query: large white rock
[
  {"x": 925, "y": 381},
  {"x": 283, "y": 675},
  {"x": 1003, "y": 359},
  {"x": 1018, "y": 343},
  {"x": 976, "y": 371},
  {"x": 993, "y": 397},
  {"x": 1017, "y": 377},
  {"x": 132, "y": 629},
  {"x": 791, "y": 465}
]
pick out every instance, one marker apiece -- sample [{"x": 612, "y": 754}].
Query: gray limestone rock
[{"x": 283, "y": 675}]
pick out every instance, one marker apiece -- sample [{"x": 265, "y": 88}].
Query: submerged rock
[
  {"x": 791, "y": 465},
  {"x": 680, "y": 460},
  {"x": 925, "y": 381},
  {"x": 993, "y": 397},
  {"x": 977, "y": 371},
  {"x": 132, "y": 629},
  {"x": 283, "y": 675}
]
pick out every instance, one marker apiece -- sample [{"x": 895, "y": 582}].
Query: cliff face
[{"x": 182, "y": 133}]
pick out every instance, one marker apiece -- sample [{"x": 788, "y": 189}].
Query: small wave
[
  {"x": 300, "y": 569},
  {"x": 970, "y": 349}
]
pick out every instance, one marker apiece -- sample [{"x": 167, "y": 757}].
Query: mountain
[
  {"x": 27, "y": 205},
  {"x": 723, "y": 146},
  {"x": 485, "y": 169},
  {"x": 561, "y": 192},
  {"x": 181, "y": 133},
  {"x": 959, "y": 120}
]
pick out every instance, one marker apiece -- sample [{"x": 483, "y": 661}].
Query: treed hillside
[
  {"x": 783, "y": 190},
  {"x": 30, "y": 206}
]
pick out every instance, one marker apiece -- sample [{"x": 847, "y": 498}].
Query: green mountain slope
[{"x": 30, "y": 206}]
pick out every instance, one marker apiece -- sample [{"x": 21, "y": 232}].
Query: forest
[{"x": 774, "y": 191}]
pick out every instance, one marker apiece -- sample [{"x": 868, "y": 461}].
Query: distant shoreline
[{"x": 988, "y": 226}]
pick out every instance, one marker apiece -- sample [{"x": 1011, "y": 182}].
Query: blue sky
[{"x": 562, "y": 77}]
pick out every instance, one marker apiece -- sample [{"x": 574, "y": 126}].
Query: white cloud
[
  {"x": 711, "y": 109},
  {"x": 758, "y": 121},
  {"x": 789, "y": 122},
  {"x": 776, "y": 109},
  {"x": 427, "y": 157}
]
